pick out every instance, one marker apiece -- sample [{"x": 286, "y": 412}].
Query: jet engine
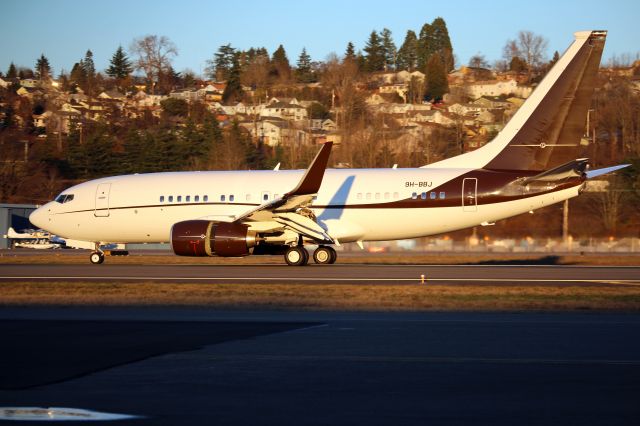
[{"x": 207, "y": 238}]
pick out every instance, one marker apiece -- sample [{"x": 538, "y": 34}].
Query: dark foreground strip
[{"x": 36, "y": 353}]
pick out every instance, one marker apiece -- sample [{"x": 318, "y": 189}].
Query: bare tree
[
  {"x": 529, "y": 47},
  {"x": 478, "y": 61},
  {"x": 154, "y": 55}
]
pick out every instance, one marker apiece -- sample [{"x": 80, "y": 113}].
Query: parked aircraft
[
  {"x": 535, "y": 161},
  {"x": 34, "y": 239}
]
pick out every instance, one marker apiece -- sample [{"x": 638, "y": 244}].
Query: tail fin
[{"x": 548, "y": 128}]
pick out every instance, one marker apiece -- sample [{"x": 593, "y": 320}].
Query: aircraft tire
[
  {"x": 324, "y": 255},
  {"x": 96, "y": 257},
  {"x": 296, "y": 256}
]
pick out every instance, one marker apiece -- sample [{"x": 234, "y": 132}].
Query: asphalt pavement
[{"x": 201, "y": 366}]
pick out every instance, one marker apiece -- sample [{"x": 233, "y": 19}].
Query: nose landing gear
[{"x": 96, "y": 257}]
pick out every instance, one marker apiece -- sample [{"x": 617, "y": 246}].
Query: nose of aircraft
[{"x": 39, "y": 217}]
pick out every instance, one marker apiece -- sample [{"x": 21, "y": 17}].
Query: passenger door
[
  {"x": 470, "y": 195},
  {"x": 102, "y": 200}
]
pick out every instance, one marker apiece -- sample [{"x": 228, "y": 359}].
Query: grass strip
[{"x": 324, "y": 297}]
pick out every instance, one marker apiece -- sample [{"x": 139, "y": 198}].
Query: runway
[
  {"x": 199, "y": 366},
  {"x": 545, "y": 275}
]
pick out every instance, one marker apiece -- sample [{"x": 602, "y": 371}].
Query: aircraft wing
[{"x": 290, "y": 210}]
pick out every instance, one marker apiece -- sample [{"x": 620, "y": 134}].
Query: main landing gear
[{"x": 299, "y": 256}]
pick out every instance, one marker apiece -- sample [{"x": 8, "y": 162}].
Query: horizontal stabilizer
[
  {"x": 599, "y": 172},
  {"x": 572, "y": 169}
]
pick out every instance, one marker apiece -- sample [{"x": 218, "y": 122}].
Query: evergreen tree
[
  {"x": 233, "y": 90},
  {"x": 425, "y": 45},
  {"x": 304, "y": 72},
  {"x": 408, "y": 53},
  {"x": 43, "y": 69},
  {"x": 374, "y": 53},
  {"x": 350, "y": 53},
  {"x": 120, "y": 66},
  {"x": 280, "y": 67},
  {"x": 389, "y": 50},
  {"x": 12, "y": 72},
  {"x": 442, "y": 43},
  {"x": 90, "y": 72},
  {"x": 78, "y": 76},
  {"x": 220, "y": 67},
  {"x": 436, "y": 80}
]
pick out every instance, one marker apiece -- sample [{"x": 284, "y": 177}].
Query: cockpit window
[{"x": 64, "y": 198}]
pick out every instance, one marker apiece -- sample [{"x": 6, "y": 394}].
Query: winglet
[
  {"x": 312, "y": 179},
  {"x": 598, "y": 172}
]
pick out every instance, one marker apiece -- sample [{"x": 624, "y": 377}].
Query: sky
[{"x": 63, "y": 30}]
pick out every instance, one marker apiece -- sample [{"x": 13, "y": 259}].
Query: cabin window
[
  {"x": 387, "y": 195},
  {"x": 359, "y": 196},
  {"x": 377, "y": 195},
  {"x": 442, "y": 195},
  {"x": 231, "y": 198},
  {"x": 162, "y": 198},
  {"x": 179, "y": 200},
  {"x": 196, "y": 198},
  {"x": 423, "y": 195},
  {"x": 368, "y": 195},
  {"x": 223, "y": 198},
  {"x": 171, "y": 198},
  {"x": 205, "y": 198},
  {"x": 265, "y": 197},
  {"x": 396, "y": 195},
  {"x": 248, "y": 197},
  {"x": 414, "y": 196},
  {"x": 432, "y": 195},
  {"x": 187, "y": 198}
]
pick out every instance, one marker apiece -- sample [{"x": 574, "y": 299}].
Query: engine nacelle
[{"x": 207, "y": 238}]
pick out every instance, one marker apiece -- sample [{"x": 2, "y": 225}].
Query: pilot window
[
  {"x": 205, "y": 198},
  {"x": 64, "y": 198},
  {"x": 162, "y": 198}
]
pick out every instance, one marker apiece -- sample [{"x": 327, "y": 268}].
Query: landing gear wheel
[
  {"x": 96, "y": 257},
  {"x": 296, "y": 256},
  {"x": 324, "y": 255}
]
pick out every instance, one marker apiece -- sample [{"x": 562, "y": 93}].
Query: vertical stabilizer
[{"x": 548, "y": 129}]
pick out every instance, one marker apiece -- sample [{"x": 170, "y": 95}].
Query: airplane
[
  {"x": 33, "y": 239},
  {"x": 535, "y": 161}
]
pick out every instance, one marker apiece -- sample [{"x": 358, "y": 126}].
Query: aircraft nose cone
[{"x": 39, "y": 217}]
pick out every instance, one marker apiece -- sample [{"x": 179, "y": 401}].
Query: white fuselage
[{"x": 350, "y": 205}]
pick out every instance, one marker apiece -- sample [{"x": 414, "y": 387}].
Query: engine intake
[{"x": 207, "y": 238}]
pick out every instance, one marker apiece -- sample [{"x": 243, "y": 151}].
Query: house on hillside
[{"x": 287, "y": 111}]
